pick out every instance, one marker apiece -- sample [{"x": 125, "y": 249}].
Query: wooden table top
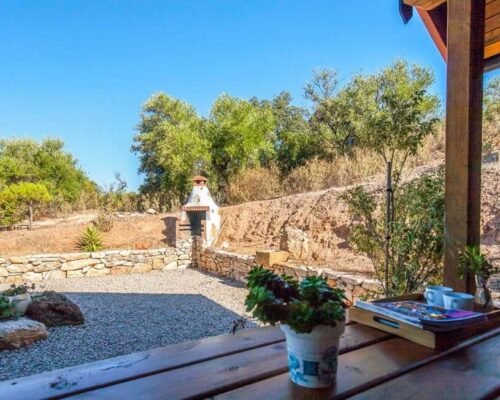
[{"x": 253, "y": 365}]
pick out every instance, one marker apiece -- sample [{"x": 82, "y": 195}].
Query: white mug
[
  {"x": 459, "y": 301},
  {"x": 434, "y": 294}
]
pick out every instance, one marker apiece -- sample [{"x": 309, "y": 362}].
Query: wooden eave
[{"x": 433, "y": 14}]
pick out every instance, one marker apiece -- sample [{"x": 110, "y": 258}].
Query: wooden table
[{"x": 252, "y": 365}]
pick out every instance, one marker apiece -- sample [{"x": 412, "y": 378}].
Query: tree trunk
[
  {"x": 388, "y": 220},
  {"x": 30, "y": 217}
]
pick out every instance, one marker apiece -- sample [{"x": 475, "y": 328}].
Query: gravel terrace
[{"x": 130, "y": 313}]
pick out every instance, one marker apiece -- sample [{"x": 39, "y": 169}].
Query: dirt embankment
[
  {"x": 323, "y": 216},
  {"x": 129, "y": 232}
]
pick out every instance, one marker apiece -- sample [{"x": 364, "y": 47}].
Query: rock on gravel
[
  {"x": 54, "y": 309},
  {"x": 21, "y": 332},
  {"x": 130, "y": 313}
]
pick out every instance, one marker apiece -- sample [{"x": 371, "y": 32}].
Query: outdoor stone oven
[{"x": 199, "y": 216}]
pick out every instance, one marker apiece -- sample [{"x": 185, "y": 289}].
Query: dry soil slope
[{"x": 323, "y": 216}]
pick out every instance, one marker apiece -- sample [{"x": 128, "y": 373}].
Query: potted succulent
[
  {"x": 19, "y": 297},
  {"x": 471, "y": 260},
  {"x": 312, "y": 315}
]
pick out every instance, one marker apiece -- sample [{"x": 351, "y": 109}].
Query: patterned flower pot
[
  {"x": 312, "y": 357},
  {"x": 20, "y": 302}
]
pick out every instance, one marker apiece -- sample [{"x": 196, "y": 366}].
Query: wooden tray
[{"x": 435, "y": 340}]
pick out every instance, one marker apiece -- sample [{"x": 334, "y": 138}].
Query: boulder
[
  {"x": 268, "y": 258},
  {"x": 54, "y": 309},
  {"x": 20, "y": 332},
  {"x": 295, "y": 242}
]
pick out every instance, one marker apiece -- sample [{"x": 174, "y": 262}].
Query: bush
[
  {"x": 90, "y": 240},
  {"x": 104, "y": 221}
]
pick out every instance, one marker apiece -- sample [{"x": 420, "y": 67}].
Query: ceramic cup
[
  {"x": 434, "y": 294},
  {"x": 459, "y": 301}
]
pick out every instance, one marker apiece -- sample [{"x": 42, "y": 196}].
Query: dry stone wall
[
  {"x": 236, "y": 266},
  {"x": 186, "y": 253},
  {"x": 110, "y": 262}
]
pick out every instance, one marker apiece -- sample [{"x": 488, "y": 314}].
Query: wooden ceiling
[{"x": 433, "y": 13}]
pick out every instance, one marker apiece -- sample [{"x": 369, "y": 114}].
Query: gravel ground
[{"x": 130, "y": 313}]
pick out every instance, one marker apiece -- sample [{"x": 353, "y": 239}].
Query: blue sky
[{"x": 80, "y": 69}]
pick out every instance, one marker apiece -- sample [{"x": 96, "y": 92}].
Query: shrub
[
  {"x": 104, "y": 221},
  {"x": 90, "y": 240},
  {"x": 302, "y": 306}
]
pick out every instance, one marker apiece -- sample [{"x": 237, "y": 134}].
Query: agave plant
[{"x": 90, "y": 240}]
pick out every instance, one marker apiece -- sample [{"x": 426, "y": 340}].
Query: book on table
[{"x": 422, "y": 315}]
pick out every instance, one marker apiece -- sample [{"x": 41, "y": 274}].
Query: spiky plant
[
  {"x": 472, "y": 260},
  {"x": 281, "y": 299},
  {"x": 90, "y": 240}
]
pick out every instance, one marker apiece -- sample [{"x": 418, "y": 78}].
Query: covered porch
[{"x": 372, "y": 364}]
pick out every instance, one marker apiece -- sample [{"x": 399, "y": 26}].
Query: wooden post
[{"x": 463, "y": 133}]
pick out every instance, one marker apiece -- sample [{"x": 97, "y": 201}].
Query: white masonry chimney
[{"x": 201, "y": 211}]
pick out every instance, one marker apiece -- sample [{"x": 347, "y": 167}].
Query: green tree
[
  {"x": 171, "y": 148},
  {"x": 239, "y": 134},
  {"x": 393, "y": 112},
  {"x": 26, "y": 196},
  {"x": 25, "y": 160},
  {"x": 294, "y": 142},
  {"x": 333, "y": 120},
  {"x": 491, "y": 115},
  {"x": 322, "y": 86}
]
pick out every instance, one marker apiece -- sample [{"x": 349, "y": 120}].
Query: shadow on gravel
[
  {"x": 118, "y": 324},
  {"x": 224, "y": 280}
]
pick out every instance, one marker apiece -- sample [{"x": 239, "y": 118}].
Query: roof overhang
[{"x": 434, "y": 16}]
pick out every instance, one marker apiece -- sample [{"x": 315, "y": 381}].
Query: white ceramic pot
[
  {"x": 312, "y": 357},
  {"x": 20, "y": 302}
]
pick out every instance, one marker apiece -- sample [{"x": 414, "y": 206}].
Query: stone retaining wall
[
  {"x": 186, "y": 253},
  {"x": 58, "y": 266},
  {"x": 236, "y": 266}
]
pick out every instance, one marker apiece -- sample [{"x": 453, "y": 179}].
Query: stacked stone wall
[
  {"x": 110, "y": 262},
  {"x": 186, "y": 253},
  {"x": 236, "y": 266}
]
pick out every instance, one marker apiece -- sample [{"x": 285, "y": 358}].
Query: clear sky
[{"x": 80, "y": 69}]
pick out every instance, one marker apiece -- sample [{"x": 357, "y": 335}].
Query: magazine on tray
[{"x": 423, "y": 315}]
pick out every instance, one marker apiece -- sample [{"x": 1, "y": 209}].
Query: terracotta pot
[{"x": 312, "y": 357}]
